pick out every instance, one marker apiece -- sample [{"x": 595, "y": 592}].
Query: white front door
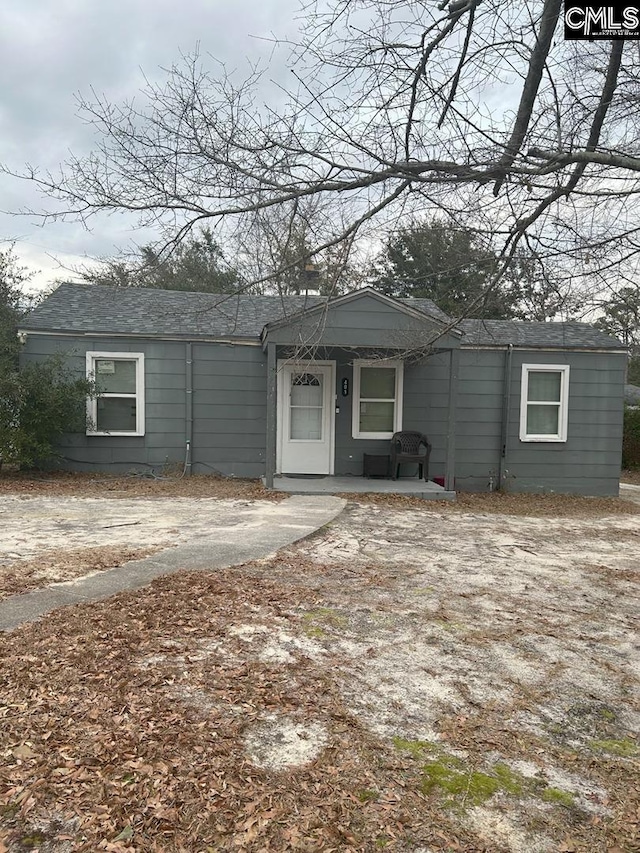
[{"x": 305, "y": 418}]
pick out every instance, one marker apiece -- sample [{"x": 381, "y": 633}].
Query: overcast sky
[{"x": 50, "y": 51}]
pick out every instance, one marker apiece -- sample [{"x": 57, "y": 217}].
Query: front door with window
[{"x": 305, "y": 418}]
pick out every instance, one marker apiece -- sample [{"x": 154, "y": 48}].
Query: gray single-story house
[{"x": 263, "y": 386}]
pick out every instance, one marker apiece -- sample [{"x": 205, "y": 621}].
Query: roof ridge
[{"x": 102, "y": 309}]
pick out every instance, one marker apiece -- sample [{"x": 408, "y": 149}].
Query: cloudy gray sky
[{"x": 50, "y": 51}]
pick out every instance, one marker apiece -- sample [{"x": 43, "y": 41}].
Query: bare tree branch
[
  {"x": 548, "y": 24},
  {"x": 469, "y": 111}
]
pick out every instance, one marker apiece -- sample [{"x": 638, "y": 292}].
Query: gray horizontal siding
[
  {"x": 207, "y": 354},
  {"x": 365, "y": 322},
  {"x": 228, "y": 442},
  {"x": 161, "y": 381},
  {"x": 251, "y": 470},
  {"x": 232, "y": 417},
  {"x": 229, "y": 387},
  {"x": 592, "y": 486},
  {"x": 218, "y": 456},
  {"x": 587, "y": 463},
  {"x": 229, "y": 410},
  {"x": 229, "y": 406},
  {"x": 571, "y": 468},
  {"x": 483, "y": 412}
]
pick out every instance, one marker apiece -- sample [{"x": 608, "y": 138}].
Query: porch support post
[
  {"x": 271, "y": 415},
  {"x": 450, "y": 459}
]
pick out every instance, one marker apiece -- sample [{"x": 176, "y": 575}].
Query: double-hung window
[
  {"x": 118, "y": 407},
  {"x": 544, "y": 402},
  {"x": 377, "y": 398}
]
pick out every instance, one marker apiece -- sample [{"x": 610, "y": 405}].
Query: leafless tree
[
  {"x": 278, "y": 247},
  {"x": 474, "y": 110}
]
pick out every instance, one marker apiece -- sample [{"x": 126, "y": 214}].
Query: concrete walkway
[
  {"x": 414, "y": 487},
  {"x": 280, "y": 524}
]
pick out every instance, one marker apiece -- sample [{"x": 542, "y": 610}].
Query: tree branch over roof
[{"x": 475, "y": 111}]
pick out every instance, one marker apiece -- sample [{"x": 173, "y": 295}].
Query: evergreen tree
[
  {"x": 196, "y": 264},
  {"x": 449, "y": 266}
]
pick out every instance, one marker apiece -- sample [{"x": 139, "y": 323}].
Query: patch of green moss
[
  {"x": 474, "y": 786},
  {"x": 326, "y": 615},
  {"x": 557, "y": 796},
  {"x": 449, "y": 775},
  {"x": 366, "y": 795},
  {"x": 511, "y": 782},
  {"x": 314, "y": 632},
  {"x": 608, "y": 714},
  {"x": 418, "y": 748},
  {"x": 624, "y": 747},
  {"x": 415, "y": 747},
  {"x": 9, "y": 810},
  {"x": 33, "y": 841}
]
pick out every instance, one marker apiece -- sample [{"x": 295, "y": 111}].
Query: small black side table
[{"x": 376, "y": 466}]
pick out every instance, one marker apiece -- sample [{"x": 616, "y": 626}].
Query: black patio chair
[{"x": 410, "y": 447}]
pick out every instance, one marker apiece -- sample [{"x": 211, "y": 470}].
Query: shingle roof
[
  {"x": 90, "y": 308},
  {"x": 536, "y": 335},
  {"x": 162, "y": 313},
  {"x": 173, "y": 313},
  {"x": 427, "y": 307}
]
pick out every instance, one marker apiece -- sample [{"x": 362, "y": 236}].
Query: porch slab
[{"x": 362, "y": 485}]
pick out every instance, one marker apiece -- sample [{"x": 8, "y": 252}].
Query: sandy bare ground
[
  {"x": 57, "y": 527},
  {"x": 47, "y": 539},
  {"x": 413, "y": 679},
  {"x": 631, "y": 476},
  {"x": 478, "y": 643}
]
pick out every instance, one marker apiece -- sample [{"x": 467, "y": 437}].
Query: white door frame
[{"x": 307, "y": 364}]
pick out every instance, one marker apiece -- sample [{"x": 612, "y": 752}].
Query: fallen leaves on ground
[
  {"x": 119, "y": 728},
  {"x": 99, "y": 485},
  {"x": 123, "y": 729},
  {"x": 209, "y": 486},
  {"x": 506, "y": 503},
  {"x": 124, "y": 724},
  {"x": 64, "y": 565}
]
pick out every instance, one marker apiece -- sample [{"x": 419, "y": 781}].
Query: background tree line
[{"x": 425, "y": 259}]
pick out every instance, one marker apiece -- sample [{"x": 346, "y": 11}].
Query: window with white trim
[
  {"x": 544, "y": 402},
  {"x": 377, "y": 398},
  {"x": 118, "y": 408}
]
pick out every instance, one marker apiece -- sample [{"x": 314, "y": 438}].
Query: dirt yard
[
  {"x": 48, "y": 539},
  {"x": 411, "y": 678},
  {"x": 631, "y": 476}
]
